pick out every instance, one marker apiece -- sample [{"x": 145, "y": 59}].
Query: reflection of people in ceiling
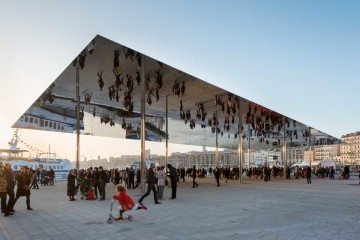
[
  {"x": 138, "y": 77},
  {"x": 116, "y": 68},
  {"x": 100, "y": 81},
  {"x": 119, "y": 81},
  {"x": 159, "y": 78}
]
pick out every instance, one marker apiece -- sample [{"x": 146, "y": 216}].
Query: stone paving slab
[{"x": 279, "y": 209}]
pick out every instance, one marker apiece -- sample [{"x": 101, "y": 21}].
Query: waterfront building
[{"x": 350, "y": 151}]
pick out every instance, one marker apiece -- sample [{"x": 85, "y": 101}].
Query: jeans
[
  {"x": 151, "y": 186},
  {"x": 161, "y": 192}
]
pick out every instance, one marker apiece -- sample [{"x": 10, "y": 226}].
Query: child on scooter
[{"x": 125, "y": 201}]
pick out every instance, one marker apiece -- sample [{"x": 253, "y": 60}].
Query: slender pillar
[
  {"x": 310, "y": 150},
  {"x": 249, "y": 145},
  {"x": 77, "y": 119},
  {"x": 142, "y": 135},
  {"x": 217, "y": 147},
  {"x": 284, "y": 149},
  {"x": 166, "y": 134},
  {"x": 240, "y": 143}
]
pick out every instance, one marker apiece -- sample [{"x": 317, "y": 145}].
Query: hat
[{"x": 169, "y": 165}]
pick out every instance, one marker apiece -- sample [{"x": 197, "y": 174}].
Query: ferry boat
[{"x": 19, "y": 157}]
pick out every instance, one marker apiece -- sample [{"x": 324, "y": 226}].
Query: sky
[{"x": 299, "y": 58}]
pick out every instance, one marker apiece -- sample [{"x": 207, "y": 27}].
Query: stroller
[
  {"x": 84, "y": 186},
  {"x": 45, "y": 181}
]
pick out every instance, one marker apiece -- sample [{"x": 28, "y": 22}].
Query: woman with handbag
[
  {"x": 161, "y": 182},
  {"x": 23, "y": 186}
]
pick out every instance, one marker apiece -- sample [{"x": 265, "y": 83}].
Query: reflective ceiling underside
[{"x": 110, "y": 96}]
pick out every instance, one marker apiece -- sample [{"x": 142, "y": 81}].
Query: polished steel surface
[{"x": 111, "y": 105}]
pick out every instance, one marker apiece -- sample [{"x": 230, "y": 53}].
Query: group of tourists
[{"x": 8, "y": 181}]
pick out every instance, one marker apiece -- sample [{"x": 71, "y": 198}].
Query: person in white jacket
[{"x": 161, "y": 182}]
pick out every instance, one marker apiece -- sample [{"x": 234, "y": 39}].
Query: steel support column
[
  {"x": 240, "y": 143},
  {"x": 77, "y": 119},
  {"x": 310, "y": 148},
  {"x": 142, "y": 135},
  {"x": 216, "y": 143},
  {"x": 166, "y": 134},
  {"x": 284, "y": 149},
  {"x": 249, "y": 144}
]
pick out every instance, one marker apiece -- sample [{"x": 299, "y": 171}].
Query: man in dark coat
[
  {"x": 151, "y": 185},
  {"x": 174, "y": 178},
  {"x": 182, "y": 174},
  {"x": 10, "y": 187},
  {"x": 23, "y": 187},
  {"x": 217, "y": 176},
  {"x": 52, "y": 176},
  {"x": 102, "y": 180},
  {"x": 195, "y": 184},
  {"x": 3, "y": 188},
  {"x": 137, "y": 177},
  {"x": 308, "y": 174},
  {"x": 131, "y": 178},
  {"x": 71, "y": 185}
]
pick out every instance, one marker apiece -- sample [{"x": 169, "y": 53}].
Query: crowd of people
[
  {"x": 25, "y": 179},
  {"x": 92, "y": 182}
]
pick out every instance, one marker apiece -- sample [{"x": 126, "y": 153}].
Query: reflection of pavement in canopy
[
  {"x": 115, "y": 68},
  {"x": 303, "y": 164}
]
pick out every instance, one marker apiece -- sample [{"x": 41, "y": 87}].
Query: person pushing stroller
[{"x": 125, "y": 202}]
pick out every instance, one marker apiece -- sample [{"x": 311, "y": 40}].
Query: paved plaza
[{"x": 291, "y": 209}]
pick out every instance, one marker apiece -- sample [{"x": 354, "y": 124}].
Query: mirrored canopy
[{"x": 110, "y": 95}]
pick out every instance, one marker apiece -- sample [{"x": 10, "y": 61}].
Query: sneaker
[
  {"x": 118, "y": 218},
  {"x": 157, "y": 202},
  {"x": 29, "y": 208},
  {"x": 8, "y": 214}
]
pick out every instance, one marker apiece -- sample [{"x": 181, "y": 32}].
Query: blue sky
[{"x": 300, "y": 58}]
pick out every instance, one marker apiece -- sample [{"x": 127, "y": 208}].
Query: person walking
[
  {"x": 308, "y": 174},
  {"x": 71, "y": 185},
  {"x": 137, "y": 177},
  {"x": 131, "y": 178},
  {"x": 217, "y": 176},
  {"x": 161, "y": 182},
  {"x": 52, "y": 177},
  {"x": 34, "y": 180},
  {"x": 332, "y": 173},
  {"x": 151, "y": 185},
  {"x": 182, "y": 173},
  {"x": 174, "y": 178},
  {"x": 10, "y": 187},
  {"x": 195, "y": 184},
  {"x": 23, "y": 187},
  {"x": 102, "y": 180},
  {"x": 3, "y": 191}
]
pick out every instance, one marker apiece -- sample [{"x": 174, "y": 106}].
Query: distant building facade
[{"x": 350, "y": 151}]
